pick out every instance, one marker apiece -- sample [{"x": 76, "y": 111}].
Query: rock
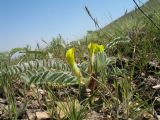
[
  {"x": 94, "y": 116},
  {"x": 41, "y": 91},
  {"x": 148, "y": 116},
  {"x": 1, "y": 112},
  {"x": 156, "y": 86},
  {"x": 158, "y": 117},
  {"x": 88, "y": 90},
  {"x": 31, "y": 116},
  {"x": 42, "y": 116},
  {"x": 3, "y": 101}
]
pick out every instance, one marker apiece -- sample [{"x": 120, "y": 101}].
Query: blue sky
[{"x": 27, "y": 22}]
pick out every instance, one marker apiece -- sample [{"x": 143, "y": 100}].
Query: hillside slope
[
  {"x": 135, "y": 16},
  {"x": 144, "y": 36}
]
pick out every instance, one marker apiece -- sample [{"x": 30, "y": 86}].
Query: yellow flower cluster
[
  {"x": 92, "y": 47},
  {"x": 71, "y": 61}
]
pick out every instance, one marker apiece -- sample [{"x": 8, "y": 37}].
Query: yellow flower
[
  {"x": 70, "y": 57},
  {"x": 93, "y": 47},
  {"x": 100, "y": 48},
  {"x": 71, "y": 61}
]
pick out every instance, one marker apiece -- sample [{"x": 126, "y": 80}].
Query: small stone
[
  {"x": 31, "y": 116},
  {"x": 156, "y": 86},
  {"x": 147, "y": 116},
  {"x": 19, "y": 99},
  {"x": 1, "y": 112},
  {"x": 42, "y": 115},
  {"x": 157, "y": 98},
  {"x": 142, "y": 74},
  {"x": 94, "y": 116},
  {"x": 158, "y": 117},
  {"x": 42, "y": 92},
  {"x": 3, "y": 101},
  {"x": 88, "y": 90}
]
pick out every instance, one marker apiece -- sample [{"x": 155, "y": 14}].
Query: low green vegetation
[{"x": 112, "y": 73}]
